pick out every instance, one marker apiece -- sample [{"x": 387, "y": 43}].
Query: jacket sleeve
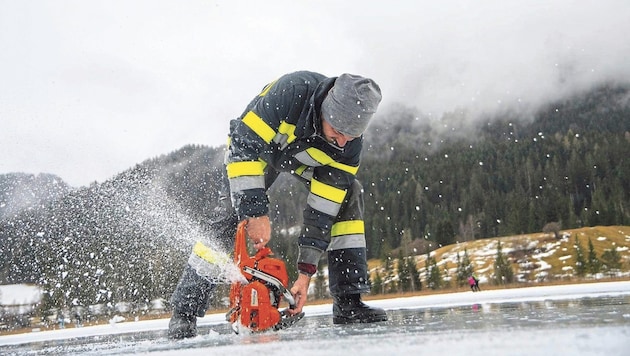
[
  {"x": 328, "y": 191},
  {"x": 250, "y": 145}
]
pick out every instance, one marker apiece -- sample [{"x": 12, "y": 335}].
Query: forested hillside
[
  {"x": 570, "y": 166},
  {"x": 127, "y": 239},
  {"x": 124, "y": 240}
]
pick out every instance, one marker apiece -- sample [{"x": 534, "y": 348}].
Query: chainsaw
[{"x": 254, "y": 304}]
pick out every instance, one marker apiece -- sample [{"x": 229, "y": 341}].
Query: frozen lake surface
[{"x": 583, "y": 319}]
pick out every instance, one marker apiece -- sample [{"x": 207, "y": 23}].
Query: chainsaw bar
[
  {"x": 288, "y": 320},
  {"x": 285, "y": 322}
]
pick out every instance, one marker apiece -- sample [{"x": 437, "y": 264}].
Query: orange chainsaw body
[{"x": 255, "y": 304}]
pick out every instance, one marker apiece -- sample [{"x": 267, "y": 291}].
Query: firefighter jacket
[{"x": 280, "y": 131}]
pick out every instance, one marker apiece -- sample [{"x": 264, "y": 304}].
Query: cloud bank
[{"x": 89, "y": 89}]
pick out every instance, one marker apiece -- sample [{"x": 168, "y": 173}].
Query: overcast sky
[{"x": 90, "y": 88}]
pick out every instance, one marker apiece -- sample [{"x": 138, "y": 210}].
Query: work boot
[
  {"x": 349, "y": 309},
  {"x": 182, "y": 326}
]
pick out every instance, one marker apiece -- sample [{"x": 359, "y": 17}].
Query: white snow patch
[
  {"x": 116, "y": 319},
  {"x": 19, "y": 294}
]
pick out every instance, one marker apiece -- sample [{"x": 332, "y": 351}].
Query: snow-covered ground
[{"x": 582, "y": 319}]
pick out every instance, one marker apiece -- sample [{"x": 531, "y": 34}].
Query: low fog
[{"x": 89, "y": 89}]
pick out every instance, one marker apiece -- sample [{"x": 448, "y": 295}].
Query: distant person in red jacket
[{"x": 474, "y": 283}]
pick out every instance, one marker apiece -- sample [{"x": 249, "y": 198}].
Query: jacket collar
[{"x": 312, "y": 124}]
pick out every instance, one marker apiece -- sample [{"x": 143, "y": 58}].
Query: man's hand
[
  {"x": 259, "y": 231},
  {"x": 300, "y": 292}
]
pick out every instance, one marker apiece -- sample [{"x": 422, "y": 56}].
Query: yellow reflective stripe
[
  {"x": 326, "y": 160},
  {"x": 259, "y": 126},
  {"x": 351, "y": 227},
  {"x": 301, "y": 170},
  {"x": 267, "y": 88},
  {"x": 319, "y": 156},
  {"x": 346, "y": 168},
  {"x": 208, "y": 255},
  {"x": 246, "y": 168},
  {"x": 327, "y": 191},
  {"x": 287, "y": 129}
]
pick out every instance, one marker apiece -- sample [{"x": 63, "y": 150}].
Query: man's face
[{"x": 333, "y": 136}]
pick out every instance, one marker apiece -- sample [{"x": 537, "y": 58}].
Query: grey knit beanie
[{"x": 350, "y": 104}]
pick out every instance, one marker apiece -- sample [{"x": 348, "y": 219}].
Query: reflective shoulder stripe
[
  {"x": 306, "y": 159},
  {"x": 319, "y": 156},
  {"x": 325, "y": 160},
  {"x": 246, "y": 168},
  {"x": 350, "y": 227},
  {"x": 259, "y": 126},
  {"x": 346, "y": 168},
  {"x": 327, "y": 191},
  {"x": 267, "y": 88}
]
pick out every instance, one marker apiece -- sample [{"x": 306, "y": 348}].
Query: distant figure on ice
[
  {"x": 310, "y": 126},
  {"x": 474, "y": 283},
  {"x": 77, "y": 319},
  {"x": 61, "y": 320}
]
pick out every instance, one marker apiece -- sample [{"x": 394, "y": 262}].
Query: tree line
[{"x": 569, "y": 166}]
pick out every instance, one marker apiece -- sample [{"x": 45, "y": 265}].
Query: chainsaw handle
[
  {"x": 240, "y": 245},
  {"x": 289, "y": 297},
  {"x": 274, "y": 281}
]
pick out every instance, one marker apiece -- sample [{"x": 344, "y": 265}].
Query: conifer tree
[
  {"x": 434, "y": 276},
  {"x": 458, "y": 264},
  {"x": 503, "y": 273},
  {"x": 611, "y": 259},
  {"x": 464, "y": 269},
  {"x": 320, "y": 283},
  {"x": 389, "y": 282},
  {"x": 593, "y": 263},
  {"x": 377, "y": 285},
  {"x": 580, "y": 260},
  {"x": 404, "y": 275},
  {"x": 416, "y": 284}
]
